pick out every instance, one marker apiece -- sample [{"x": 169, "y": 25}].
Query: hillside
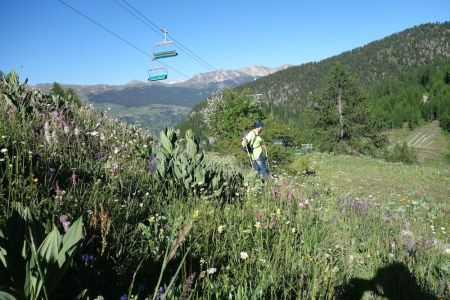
[
  {"x": 110, "y": 212},
  {"x": 286, "y": 93},
  {"x": 430, "y": 143},
  {"x": 157, "y": 105},
  {"x": 375, "y": 62}
]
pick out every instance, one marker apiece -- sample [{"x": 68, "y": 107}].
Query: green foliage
[
  {"x": 401, "y": 153},
  {"x": 228, "y": 116},
  {"x": 301, "y": 165},
  {"x": 229, "y": 113},
  {"x": 68, "y": 94},
  {"x": 342, "y": 117},
  {"x": 286, "y": 93},
  {"x": 35, "y": 258},
  {"x": 294, "y": 237},
  {"x": 182, "y": 164}
]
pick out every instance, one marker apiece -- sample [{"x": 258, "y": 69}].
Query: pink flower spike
[
  {"x": 65, "y": 222},
  {"x": 58, "y": 190},
  {"x": 74, "y": 178}
]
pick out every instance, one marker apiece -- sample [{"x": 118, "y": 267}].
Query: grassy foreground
[{"x": 357, "y": 228}]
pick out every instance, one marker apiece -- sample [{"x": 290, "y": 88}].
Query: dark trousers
[{"x": 260, "y": 166}]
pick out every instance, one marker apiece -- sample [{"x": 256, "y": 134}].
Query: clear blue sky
[{"x": 46, "y": 41}]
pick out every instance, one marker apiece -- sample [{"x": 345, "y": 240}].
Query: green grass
[
  {"x": 430, "y": 143},
  {"x": 421, "y": 193},
  {"x": 358, "y": 227}
]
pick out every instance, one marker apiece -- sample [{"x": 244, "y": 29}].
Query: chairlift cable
[
  {"x": 118, "y": 36},
  {"x": 160, "y": 31},
  {"x": 186, "y": 50}
]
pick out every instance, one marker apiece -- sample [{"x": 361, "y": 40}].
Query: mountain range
[{"x": 156, "y": 105}]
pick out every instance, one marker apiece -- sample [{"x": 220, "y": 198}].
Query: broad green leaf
[
  {"x": 70, "y": 240},
  {"x": 48, "y": 250},
  {"x": 6, "y": 296}
]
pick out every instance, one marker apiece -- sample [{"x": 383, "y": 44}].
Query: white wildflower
[
  {"x": 221, "y": 228},
  {"x": 244, "y": 255},
  {"x": 211, "y": 270},
  {"x": 76, "y": 131},
  {"x": 4, "y": 151}
]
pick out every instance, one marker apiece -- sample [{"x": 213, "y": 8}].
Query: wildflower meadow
[{"x": 92, "y": 208}]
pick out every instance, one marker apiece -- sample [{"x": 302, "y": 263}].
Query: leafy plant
[
  {"x": 182, "y": 164},
  {"x": 35, "y": 257},
  {"x": 401, "y": 153},
  {"x": 301, "y": 165}
]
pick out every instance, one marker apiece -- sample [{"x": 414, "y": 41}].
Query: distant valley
[{"x": 156, "y": 105}]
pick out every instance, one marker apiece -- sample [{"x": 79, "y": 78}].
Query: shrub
[
  {"x": 301, "y": 165},
  {"x": 401, "y": 153}
]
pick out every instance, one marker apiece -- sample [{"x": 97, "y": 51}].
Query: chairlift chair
[
  {"x": 165, "y": 48},
  {"x": 157, "y": 73}
]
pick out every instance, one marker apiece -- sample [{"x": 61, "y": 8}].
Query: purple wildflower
[
  {"x": 123, "y": 297},
  {"x": 358, "y": 206},
  {"x": 152, "y": 164},
  {"x": 161, "y": 292},
  {"x": 87, "y": 258}
]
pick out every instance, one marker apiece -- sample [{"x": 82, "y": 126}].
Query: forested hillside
[
  {"x": 403, "y": 78},
  {"x": 286, "y": 92}
]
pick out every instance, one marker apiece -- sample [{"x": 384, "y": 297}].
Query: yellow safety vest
[{"x": 255, "y": 142}]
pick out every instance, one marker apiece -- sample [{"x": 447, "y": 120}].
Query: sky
[{"x": 46, "y": 41}]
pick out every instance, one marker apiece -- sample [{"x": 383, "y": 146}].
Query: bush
[
  {"x": 301, "y": 165},
  {"x": 401, "y": 153}
]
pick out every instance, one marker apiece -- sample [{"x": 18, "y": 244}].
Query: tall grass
[{"x": 294, "y": 237}]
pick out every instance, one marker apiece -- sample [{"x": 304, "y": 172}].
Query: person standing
[{"x": 254, "y": 145}]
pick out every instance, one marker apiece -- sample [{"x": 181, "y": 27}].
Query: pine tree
[
  {"x": 56, "y": 89},
  {"x": 342, "y": 116},
  {"x": 71, "y": 96}
]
